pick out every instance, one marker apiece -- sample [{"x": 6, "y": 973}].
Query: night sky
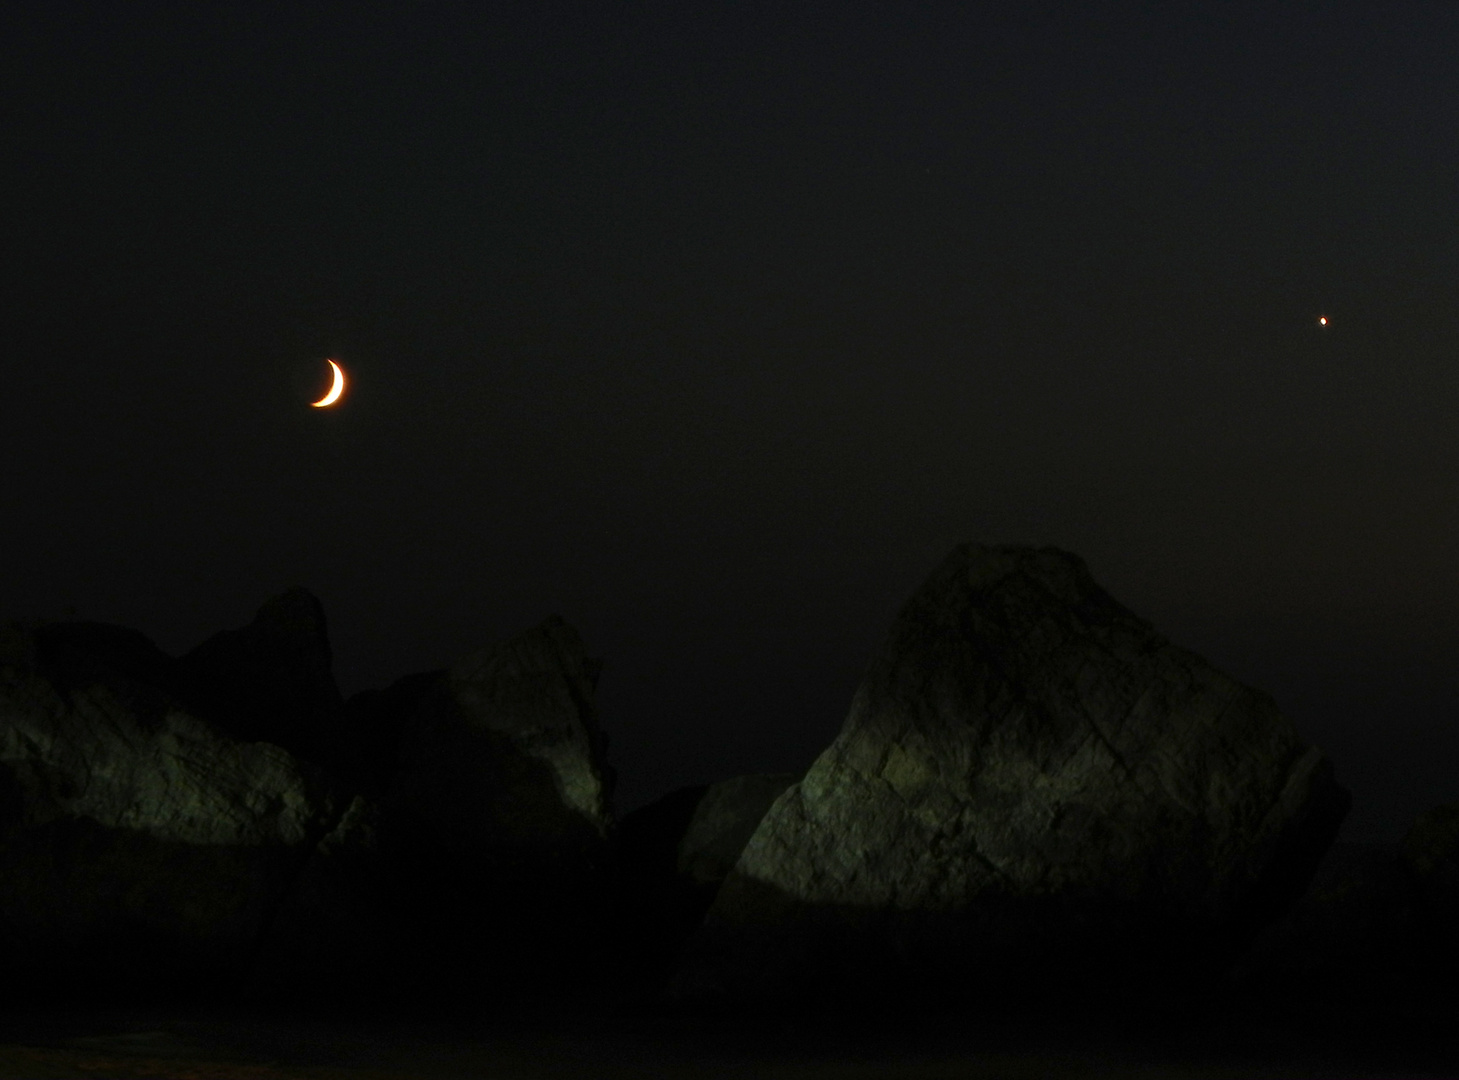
[{"x": 712, "y": 327}]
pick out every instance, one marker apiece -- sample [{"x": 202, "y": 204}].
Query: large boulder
[
  {"x": 1347, "y": 941},
  {"x": 724, "y": 819},
  {"x": 481, "y": 848},
  {"x": 1371, "y": 945},
  {"x": 222, "y": 823},
  {"x": 272, "y": 681},
  {"x": 1034, "y": 792},
  {"x": 1429, "y": 855},
  {"x": 673, "y": 854},
  {"x": 142, "y": 848},
  {"x": 501, "y": 767}
]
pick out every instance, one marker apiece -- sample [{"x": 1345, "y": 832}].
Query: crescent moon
[{"x": 334, "y": 391}]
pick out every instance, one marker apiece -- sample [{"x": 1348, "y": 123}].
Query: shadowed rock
[
  {"x": 1372, "y": 941},
  {"x": 271, "y": 681},
  {"x": 486, "y": 847},
  {"x": 673, "y": 854},
  {"x": 141, "y": 848},
  {"x": 375, "y": 721},
  {"x": 722, "y": 823},
  {"x": 1430, "y": 858},
  {"x": 501, "y": 761},
  {"x": 197, "y": 825},
  {"x": 1034, "y": 792},
  {"x": 1345, "y": 940}
]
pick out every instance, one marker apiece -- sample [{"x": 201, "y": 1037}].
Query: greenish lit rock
[
  {"x": 482, "y": 844},
  {"x": 501, "y": 758},
  {"x": 723, "y": 821},
  {"x": 1032, "y": 784},
  {"x": 140, "y": 845}
]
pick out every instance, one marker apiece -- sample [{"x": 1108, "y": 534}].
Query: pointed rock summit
[
  {"x": 502, "y": 757},
  {"x": 481, "y": 843},
  {"x": 271, "y": 681},
  {"x": 1034, "y": 791}
]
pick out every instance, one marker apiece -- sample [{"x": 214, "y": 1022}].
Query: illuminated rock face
[
  {"x": 503, "y": 755},
  {"x": 723, "y": 821},
  {"x": 482, "y": 843},
  {"x": 673, "y": 854},
  {"x": 498, "y": 805},
  {"x": 139, "y": 844},
  {"x": 222, "y": 822},
  {"x": 1031, "y": 780}
]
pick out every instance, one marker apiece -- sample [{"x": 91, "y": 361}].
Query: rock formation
[
  {"x": 1429, "y": 856},
  {"x": 483, "y": 843},
  {"x": 140, "y": 846},
  {"x": 502, "y": 758},
  {"x": 1033, "y": 789},
  {"x": 673, "y": 855},
  {"x": 224, "y": 822},
  {"x": 271, "y": 681},
  {"x": 1345, "y": 940},
  {"x": 724, "y": 819},
  {"x": 1372, "y": 941}
]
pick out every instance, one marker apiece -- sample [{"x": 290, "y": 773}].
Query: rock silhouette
[
  {"x": 1429, "y": 855},
  {"x": 1034, "y": 795},
  {"x": 222, "y": 824},
  {"x": 140, "y": 846},
  {"x": 483, "y": 843},
  {"x": 1034, "y": 792},
  {"x": 673, "y": 855},
  {"x": 271, "y": 681},
  {"x": 1373, "y": 934}
]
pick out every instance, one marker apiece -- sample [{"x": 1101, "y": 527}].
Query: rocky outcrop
[
  {"x": 1346, "y": 940},
  {"x": 724, "y": 819},
  {"x": 223, "y": 822},
  {"x": 141, "y": 847},
  {"x": 695, "y": 835},
  {"x": 1033, "y": 789},
  {"x": 485, "y": 843},
  {"x": 1429, "y": 855},
  {"x": 673, "y": 855},
  {"x": 272, "y": 681},
  {"x": 1372, "y": 941},
  {"x": 501, "y": 758}
]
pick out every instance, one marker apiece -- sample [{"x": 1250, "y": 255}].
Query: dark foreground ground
[{"x": 237, "y": 1044}]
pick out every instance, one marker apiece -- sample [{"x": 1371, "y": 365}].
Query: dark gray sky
[{"x": 713, "y": 326}]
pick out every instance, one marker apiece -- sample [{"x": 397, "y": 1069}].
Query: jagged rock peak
[
  {"x": 297, "y": 616},
  {"x": 1028, "y": 773}
]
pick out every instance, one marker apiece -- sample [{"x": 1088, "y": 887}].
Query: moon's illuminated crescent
[{"x": 334, "y": 391}]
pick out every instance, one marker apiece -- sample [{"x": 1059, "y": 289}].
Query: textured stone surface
[
  {"x": 335, "y": 938},
  {"x": 502, "y": 755},
  {"x": 486, "y": 846},
  {"x": 223, "y": 818},
  {"x": 138, "y": 842},
  {"x": 271, "y": 681},
  {"x": 724, "y": 819},
  {"x": 673, "y": 854},
  {"x": 1031, "y": 780}
]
